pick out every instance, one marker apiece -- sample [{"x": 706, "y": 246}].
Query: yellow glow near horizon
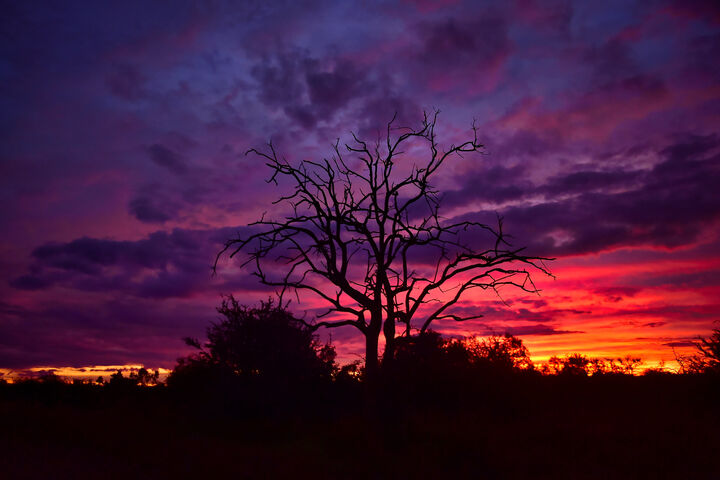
[{"x": 83, "y": 373}]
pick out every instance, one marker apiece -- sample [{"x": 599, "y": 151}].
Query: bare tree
[{"x": 363, "y": 232}]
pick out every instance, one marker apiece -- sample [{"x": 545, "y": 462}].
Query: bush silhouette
[
  {"x": 260, "y": 345},
  {"x": 574, "y": 364},
  {"x": 503, "y": 352},
  {"x": 709, "y": 352}
]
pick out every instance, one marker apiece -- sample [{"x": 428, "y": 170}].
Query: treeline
[
  {"x": 266, "y": 347},
  {"x": 262, "y": 397}
]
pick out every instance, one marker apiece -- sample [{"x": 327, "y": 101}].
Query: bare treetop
[{"x": 365, "y": 235}]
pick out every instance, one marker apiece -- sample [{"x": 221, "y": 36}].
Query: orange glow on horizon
[{"x": 82, "y": 373}]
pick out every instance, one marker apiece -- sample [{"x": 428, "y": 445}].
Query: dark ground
[{"x": 664, "y": 426}]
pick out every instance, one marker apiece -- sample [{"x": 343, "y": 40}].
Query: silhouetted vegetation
[
  {"x": 141, "y": 378},
  {"x": 479, "y": 408},
  {"x": 256, "y": 360},
  {"x": 265, "y": 343},
  {"x": 708, "y": 358}
]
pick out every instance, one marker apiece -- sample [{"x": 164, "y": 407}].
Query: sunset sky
[{"x": 123, "y": 128}]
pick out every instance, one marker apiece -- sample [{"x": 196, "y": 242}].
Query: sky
[{"x": 123, "y": 127}]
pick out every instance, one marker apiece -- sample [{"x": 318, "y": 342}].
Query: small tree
[
  {"x": 264, "y": 342},
  {"x": 574, "y": 364},
  {"x": 506, "y": 352},
  {"x": 627, "y": 365},
  {"x": 363, "y": 232}
]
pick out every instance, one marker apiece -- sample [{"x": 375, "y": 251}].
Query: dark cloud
[
  {"x": 667, "y": 206},
  {"x": 173, "y": 264},
  {"x": 679, "y": 344},
  {"x": 126, "y": 82},
  {"x": 458, "y": 43},
  {"x": 145, "y": 210},
  {"x": 377, "y": 110},
  {"x": 706, "y": 10},
  {"x": 526, "y": 144},
  {"x": 588, "y": 181},
  {"x": 166, "y": 158},
  {"x": 498, "y": 312},
  {"x": 545, "y": 315},
  {"x": 692, "y": 148},
  {"x": 690, "y": 280},
  {"x": 64, "y": 333},
  {"x": 535, "y": 303},
  {"x": 307, "y": 89},
  {"x": 484, "y": 329},
  {"x": 169, "y": 264},
  {"x": 654, "y": 324},
  {"x": 10, "y": 309},
  {"x": 537, "y": 330},
  {"x": 611, "y": 60},
  {"x": 332, "y": 89},
  {"x": 496, "y": 184},
  {"x": 280, "y": 78},
  {"x": 552, "y": 17},
  {"x": 701, "y": 54},
  {"x": 675, "y": 313},
  {"x": 30, "y": 282},
  {"x": 617, "y": 293}
]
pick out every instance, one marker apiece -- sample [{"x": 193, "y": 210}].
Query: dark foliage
[
  {"x": 514, "y": 425},
  {"x": 709, "y": 349},
  {"x": 141, "y": 378},
  {"x": 430, "y": 350},
  {"x": 451, "y": 408},
  {"x": 261, "y": 353}
]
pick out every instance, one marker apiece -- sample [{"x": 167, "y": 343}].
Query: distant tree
[
  {"x": 51, "y": 378},
  {"x": 708, "y": 358},
  {"x": 265, "y": 343},
  {"x": 626, "y": 365},
  {"x": 660, "y": 370},
  {"x": 431, "y": 352},
  {"x": 501, "y": 351},
  {"x": 140, "y": 378},
  {"x": 144, "y": 378},
  {"x": 118, "y": 380},
  {"x": 365, "y": 235},
  {"x": 350, "y": 372},
  {"x": 574, "y": 364},
  {"x": 598, "y": 366}
]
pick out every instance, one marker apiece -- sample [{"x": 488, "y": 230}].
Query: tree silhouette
[
  {"x": 140, "y": 378},
  {"x": 505, "y": 352},
  {"x": 363, "y": 232},
  {"x": 264, "y": 342},
  {"x": 574, "y": 364},
  {"x": 430, "y": 351},
  {"x": 708, "y": 359}
]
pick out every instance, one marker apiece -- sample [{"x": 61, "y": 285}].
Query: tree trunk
[
  {"x": 372, "y": 376},
  {"x": 389, "y": 332},
  {"x": 371, "y": 356}
]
